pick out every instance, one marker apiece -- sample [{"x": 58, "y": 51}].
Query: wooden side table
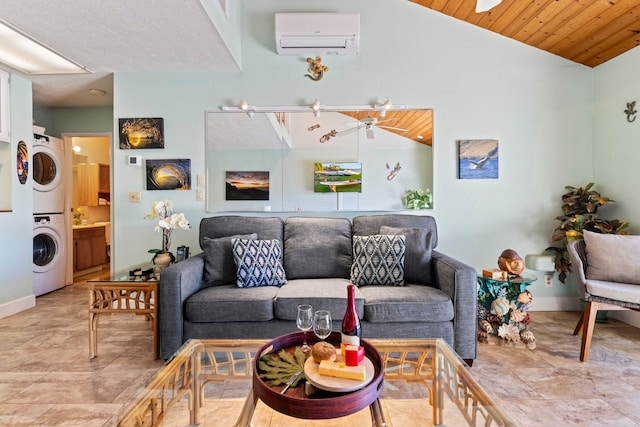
[{"x": 122, "y": 293}]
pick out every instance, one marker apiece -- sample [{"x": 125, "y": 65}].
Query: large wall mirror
[{"x": 298, "y": 161}]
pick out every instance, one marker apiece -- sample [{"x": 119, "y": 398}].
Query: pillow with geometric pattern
[
  {"x": 258, "y": 263},
  {"x": 378, "y": 259}
]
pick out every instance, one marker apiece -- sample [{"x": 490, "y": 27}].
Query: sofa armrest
[
  {"x": 460, "y": 282},
  {"x": 177, "y": 283}
]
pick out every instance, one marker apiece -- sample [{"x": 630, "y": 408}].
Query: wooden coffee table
[{"x": 431, "y": 364}]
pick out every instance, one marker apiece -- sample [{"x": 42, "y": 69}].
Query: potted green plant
[
  {"x": 580, "y": 212},
  {"x": 417, "y": 199}
]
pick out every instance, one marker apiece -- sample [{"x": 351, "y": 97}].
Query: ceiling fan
[
  {"x": 485, "y": 5},
  {"x": 368, "y": 124}
]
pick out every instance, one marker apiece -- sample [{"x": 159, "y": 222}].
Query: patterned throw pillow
[
  {"x": 378, "y": 260},
  {"x": 219, "y": 267},
  {"x": 258, "y": 263}
]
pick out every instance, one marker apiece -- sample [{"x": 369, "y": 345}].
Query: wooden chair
[{"x": 591, "y": 292}]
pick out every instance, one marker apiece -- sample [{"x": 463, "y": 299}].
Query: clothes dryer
[
  {"x": 48, "y": 173},
  {"x": 49, "y": 241}
]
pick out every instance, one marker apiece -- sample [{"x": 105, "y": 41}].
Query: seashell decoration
[
  {"x": 525, "y": 297},
  {"x": 509, "y": 332},
  {"x": 486, "y": 326},
  {"x": 527, "y": 336},
  {"x": 517, "y": 315},
  {"x": 500, "y": 306},
  {"x": 482, "y": 312}
]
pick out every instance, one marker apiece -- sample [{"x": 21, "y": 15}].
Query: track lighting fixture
[{"x": 316, "y": 108}]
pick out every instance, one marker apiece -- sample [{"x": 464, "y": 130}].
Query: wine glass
[
  {"x": 304, "y": 322},
  {"x": 322, "y": 324}
]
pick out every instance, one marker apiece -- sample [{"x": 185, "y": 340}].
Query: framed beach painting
[
  {"x": 141, "y": 133},
  {"x": 337, "y": 177},
  {"x": 478, "y": 159},
  {"x": 168, "y": 174},
  {"x": 247, "y": 185}
]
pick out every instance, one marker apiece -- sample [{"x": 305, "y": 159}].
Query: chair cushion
[
  {"x": 612, "y": 290},
  {"x": 417, "y": 258},
  {"x": 410, "y": 303},
  {"x": 612, "y": 257},
  {"x": 219, "y": 267},
  {"x": 258, "y": 263},
  {"x": 321, "y": 294},
  {"x": 228, "y": 303},
  {"x": 317, "y": 247},
  {"x": 378, "y": 260}
]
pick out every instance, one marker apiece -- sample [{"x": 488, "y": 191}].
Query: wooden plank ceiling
[
  {"x": 412, "y": 124},
  {"x": 588, "y": 32}
]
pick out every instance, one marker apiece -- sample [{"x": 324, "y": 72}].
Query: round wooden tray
[{"x": 321, "y": 405}]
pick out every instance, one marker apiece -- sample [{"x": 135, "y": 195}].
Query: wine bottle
[{"x": 351, "y": 331}]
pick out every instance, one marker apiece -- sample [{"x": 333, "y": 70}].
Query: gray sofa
[{"x": 199, "y": 297}]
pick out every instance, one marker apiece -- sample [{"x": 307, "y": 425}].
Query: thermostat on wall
[{"x": 134, "y": 161}]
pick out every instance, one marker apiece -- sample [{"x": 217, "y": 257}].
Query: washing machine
[
  {"x": 48, "y": 173},
  {"x": 49, "y": 262}
]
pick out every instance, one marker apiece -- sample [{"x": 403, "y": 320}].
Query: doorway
[{"x": 89, "y": 182}]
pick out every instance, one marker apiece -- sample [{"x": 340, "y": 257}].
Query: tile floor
[{"x": 47, "y": 378}]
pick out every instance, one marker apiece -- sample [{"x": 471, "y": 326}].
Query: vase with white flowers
[{"x": 162, "y": 211}]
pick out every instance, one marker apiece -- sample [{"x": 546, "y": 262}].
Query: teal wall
[
  {"x": 16, "y": 227},
  {"x": 481, "y": 85},
  {"x": 615, "y": 144},
  {"x": 59, "y": 120}
]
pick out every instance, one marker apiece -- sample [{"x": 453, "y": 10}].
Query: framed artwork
[
  {"x": 337, "y": 177},
  {"x": 141, "y": 133},
  {"x": 4, "y": 106},
  {"x": 22, "y": 162},
  {"x": 170, "y": 174},
  {"x": 247, "y": 185},
  {"x": 478, "y": 159}
]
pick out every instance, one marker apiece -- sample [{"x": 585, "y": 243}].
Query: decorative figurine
[
  {"x": 631, "y": 111},
  {"x": 511, "y": 262},
  {"x": 316, "y": 69}
]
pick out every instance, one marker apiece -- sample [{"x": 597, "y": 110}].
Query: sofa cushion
[
  {"x": 612, "y": 257},
  {"x": 411, "y": 303},
  {"x": 321, "y": 294},
  {"x": 219, "y": 266},
  {"x": 228, "y": 303},
  {"x": 417, "y": 258},
  {"x": 317, "y": 247},
  {"x": 229, "y": 225},
  {"x": 370, "y": 224},
  {"x": 258, "y": 263},
  {"x": 378, "y": 260}
]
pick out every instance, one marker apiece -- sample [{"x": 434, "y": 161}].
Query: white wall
[
  {"x": 16, "y": 227},
  {"x": 481, "y": 85}
]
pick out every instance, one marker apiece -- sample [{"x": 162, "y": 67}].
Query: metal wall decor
[
  {"x": 316, "y": 69},
  {"x": 631, "y": 111}
]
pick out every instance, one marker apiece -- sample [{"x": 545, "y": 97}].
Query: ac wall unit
[{"x": 317, "y": 33}]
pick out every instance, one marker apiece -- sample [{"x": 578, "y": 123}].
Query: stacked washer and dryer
[{"x": 50, "y": 227}]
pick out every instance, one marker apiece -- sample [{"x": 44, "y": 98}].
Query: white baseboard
[
  {"x": 16, "y": 306},
  {"x": 556, "y": 304},
  {"x": 626, "y": 316}
]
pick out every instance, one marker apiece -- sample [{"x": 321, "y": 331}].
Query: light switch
[
  {"x": 199, "y": 195},
  {"x": 200, "y": 180},
  {"x": 134, "y": 197}
]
